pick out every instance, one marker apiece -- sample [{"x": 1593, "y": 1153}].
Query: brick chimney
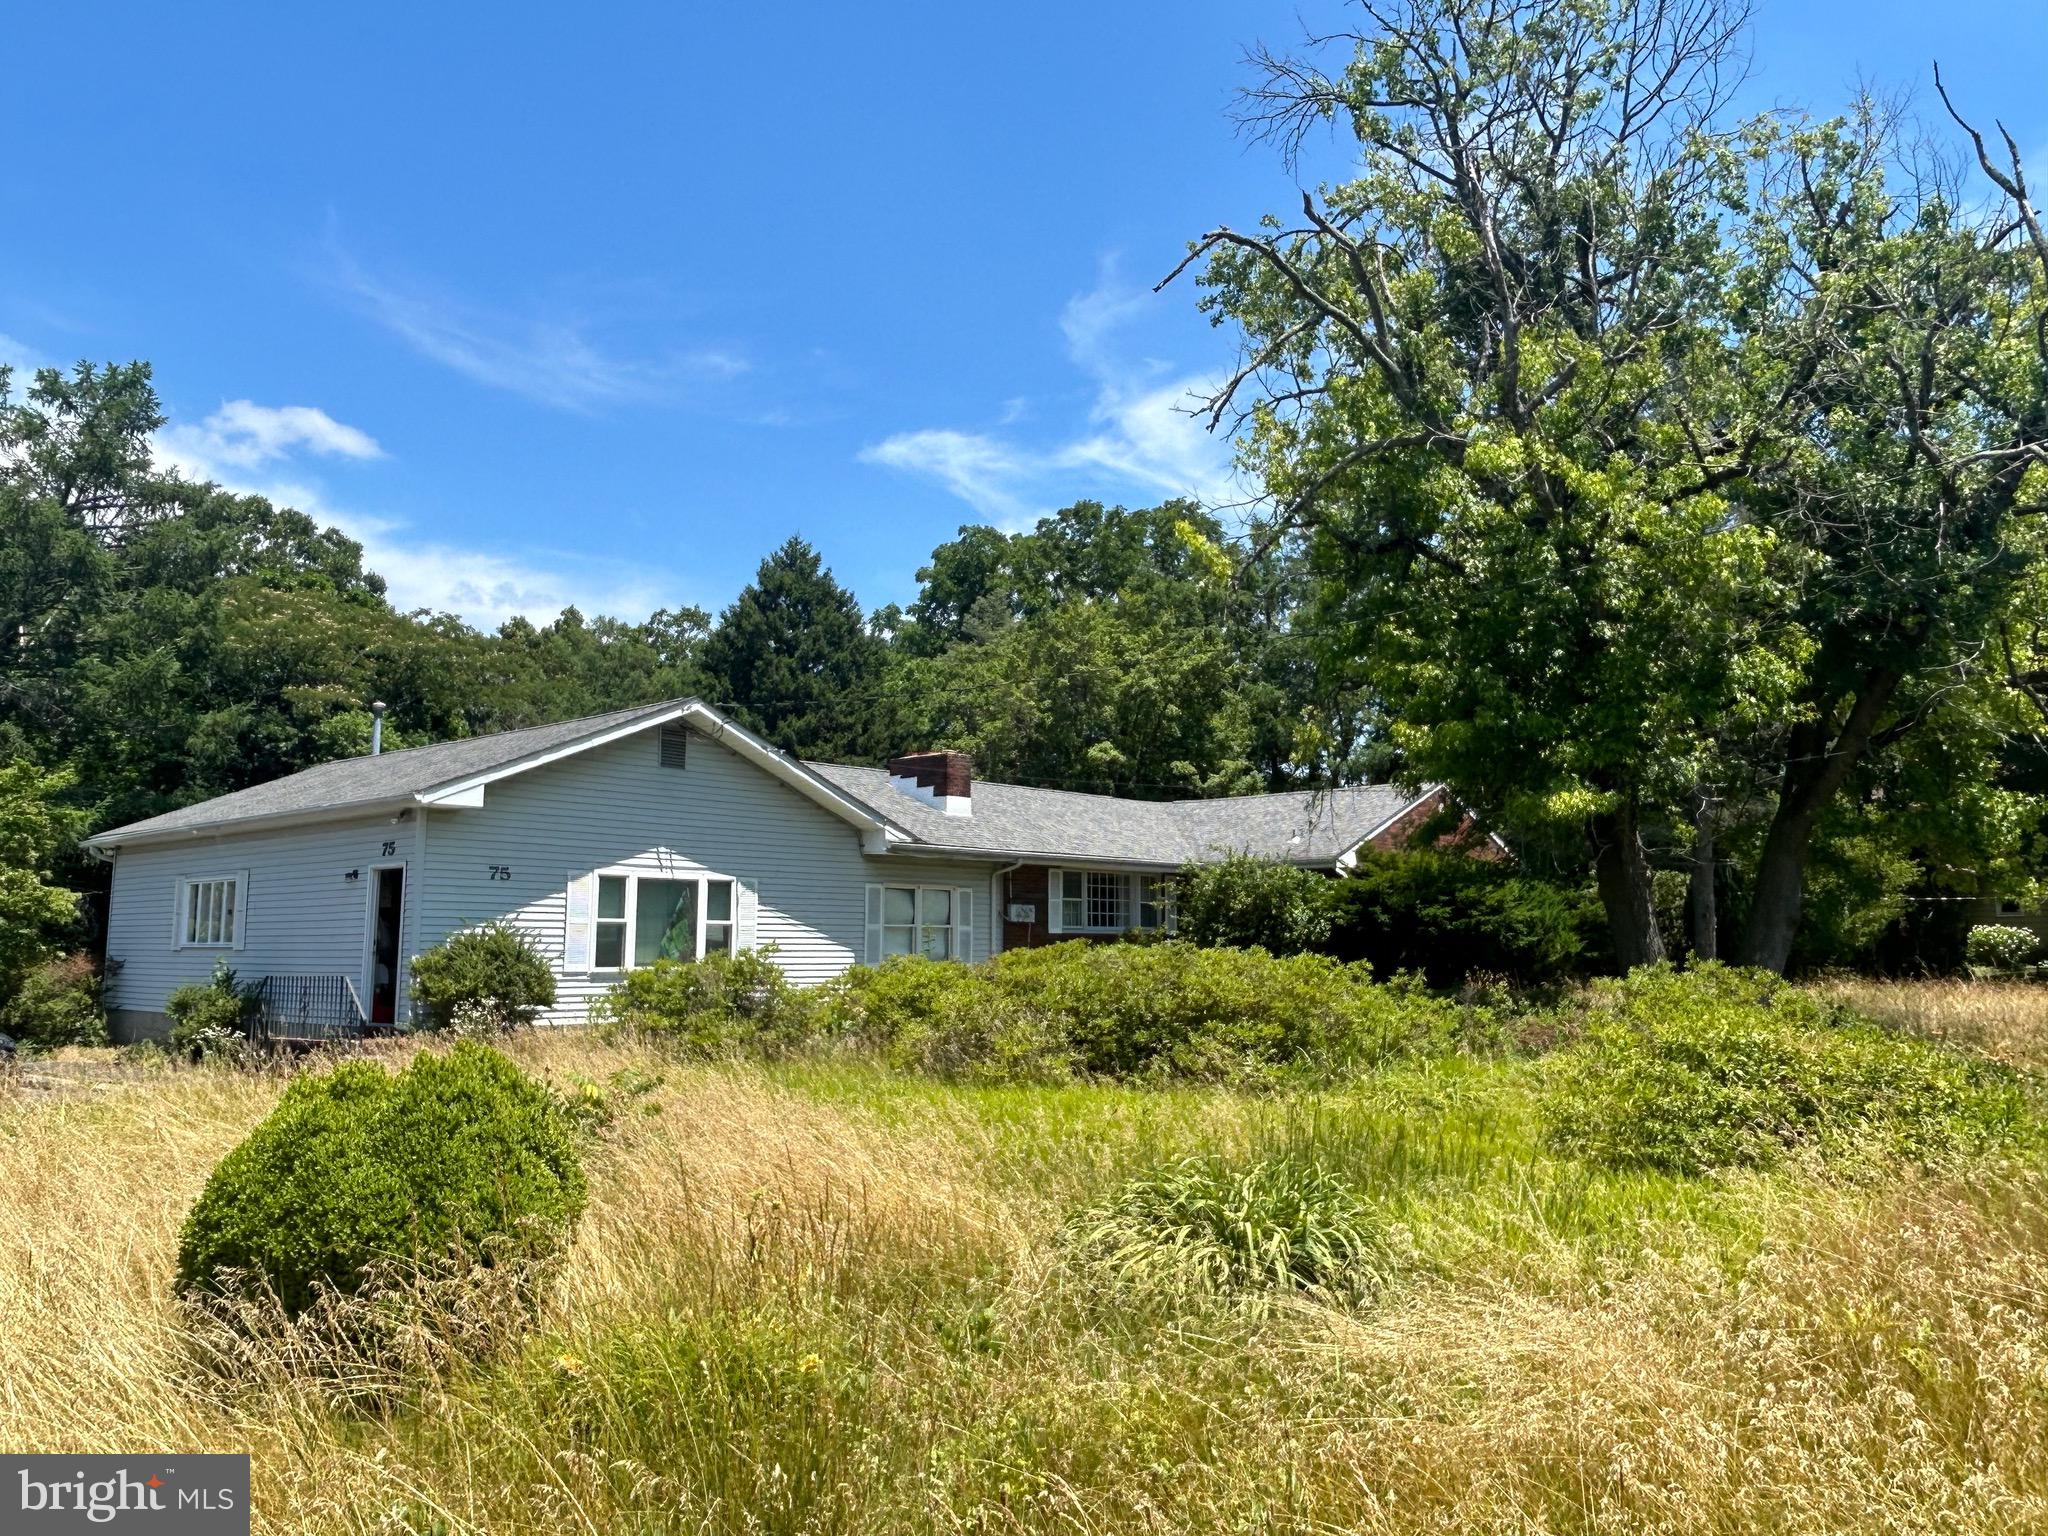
[{"x": 941, "y": 779}]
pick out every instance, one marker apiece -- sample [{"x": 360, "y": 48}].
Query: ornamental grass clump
[
  {"x": 1721, "y": 1068},
  {"x": 1208, "y": 1224},
  {"x": 458, "y": 1162}
]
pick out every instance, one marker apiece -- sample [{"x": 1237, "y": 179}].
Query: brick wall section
[
  {"x": 1466, "y": 835},
  {"x": 1031, "y": 883}
]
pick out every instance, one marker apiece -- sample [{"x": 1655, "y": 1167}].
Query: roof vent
[
  {"x": 675, "y": 745},
  {"x": 944, "y": 780}
]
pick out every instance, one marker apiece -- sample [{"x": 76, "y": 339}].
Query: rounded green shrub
[
  {"x": 1210, "y": 1224},
  {"x": 2001, "y": 947},
  {"x": 706, "y": 1005},
  {"x": 1249, "y": 902},
  {"x": 459, "y": 1160},
  {"x": 1718, "y": 1067},
  {"x": 210, "y": 1018},
  {"x": 57, "y": 1004},
  {"x": 482, "y": 981},
  {"x": 1449, "y": 915}
]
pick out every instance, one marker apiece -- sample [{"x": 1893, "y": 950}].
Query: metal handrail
[{"x": 312, "y": 1008}]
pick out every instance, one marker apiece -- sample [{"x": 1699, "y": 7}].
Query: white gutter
[{"x": 368, "y": 810}]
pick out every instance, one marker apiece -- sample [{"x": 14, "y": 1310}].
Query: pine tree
[{"x": 792, "y": 658}]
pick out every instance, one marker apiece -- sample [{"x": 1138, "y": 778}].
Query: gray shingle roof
[
  {"x": 1306, "y": 827},
  {"x": 380, "y": 780},
  {"x": 1302, "y": 826}
]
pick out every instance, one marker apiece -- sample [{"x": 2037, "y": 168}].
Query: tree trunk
[
  {"x": 1702, "y": 912},
  {"x": 1814, "y": 770},
  {"x": 1623, "y": 874}
]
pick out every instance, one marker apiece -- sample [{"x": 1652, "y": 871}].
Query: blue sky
[{"x": 600, "y": 303}]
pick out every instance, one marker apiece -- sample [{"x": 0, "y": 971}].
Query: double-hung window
[
  {"x": 209, "y": 912},
  {"x": 930, "y": 920},
  {"x": 643, "y": 918},
  {"x": 1108, "y": 901},
  {"x": 1155, "y": 902}
]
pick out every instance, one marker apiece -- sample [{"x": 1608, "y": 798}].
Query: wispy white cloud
[
  {"x": 982, "y": 471},
  {"x": 1139, "y": 435},
  {"x": 245, "y": 435},
  {"x": 257, "y": 450},
  {"x": 551, "y": 359}
]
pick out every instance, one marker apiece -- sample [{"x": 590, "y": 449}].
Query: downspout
[{"x": 996, "y": 887}]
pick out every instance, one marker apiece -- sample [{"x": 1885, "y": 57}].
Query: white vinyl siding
[
  {"x": 800, "y": 876},
  {"x": 296, "y": 910}
]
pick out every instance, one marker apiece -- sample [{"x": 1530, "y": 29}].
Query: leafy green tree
[
  {"x": 1188, "y": 681},
  {"x": 35, "y": 829},
  {"x": 793, "y": 659},
  {"x": 1645, "y": 458},
  {"x": 1111, "y": 697}
]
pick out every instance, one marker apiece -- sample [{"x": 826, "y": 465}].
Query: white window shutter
[
  {"x": 1056, "y": 890},
  {"x": 746, "y": 914},
  {"x": 178, "y": 912},
  {"x": 241, "y": 908},
  {"x": 874, "y": 925},
  {"x": 577, "y": 926},
  {"x": 963, "y": 924}
]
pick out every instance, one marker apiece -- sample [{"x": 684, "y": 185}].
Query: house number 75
[{"x": 501, "y": 871}]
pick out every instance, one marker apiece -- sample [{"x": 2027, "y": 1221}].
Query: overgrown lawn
[{"x": 824, "y": 1296}]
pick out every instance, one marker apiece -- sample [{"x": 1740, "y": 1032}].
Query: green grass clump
[
  {"x": 1718, "y": 1068},
  {"x": 1209, "y": 1223},
  {"x": 460, "y": 1159}
]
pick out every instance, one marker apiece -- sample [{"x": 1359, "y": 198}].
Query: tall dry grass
[
  {"x": 2006, "y": 1020},
  {"x": 820, "y": 1298}
]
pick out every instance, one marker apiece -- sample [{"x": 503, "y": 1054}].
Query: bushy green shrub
[
  {"x": 459, "y": 1160},
  {"x": 1209, "y": 1224},
  {"x": 1132, "y": 1010},
  {"x": 704, "y": 1005},
  {"x": 482, "y": 981},
  {"x": 57, "y": 1004},
  {"x": 211, "y": 1018},
  {"x": 1449, "y": 915},
  {"x": 2001, "y": 947},
  {"x": 1245, "y": 901},
  {"x": 1718, "y": 1067}
]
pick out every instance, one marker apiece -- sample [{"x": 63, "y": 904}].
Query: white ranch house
[{"x": 665, "y": 830}]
